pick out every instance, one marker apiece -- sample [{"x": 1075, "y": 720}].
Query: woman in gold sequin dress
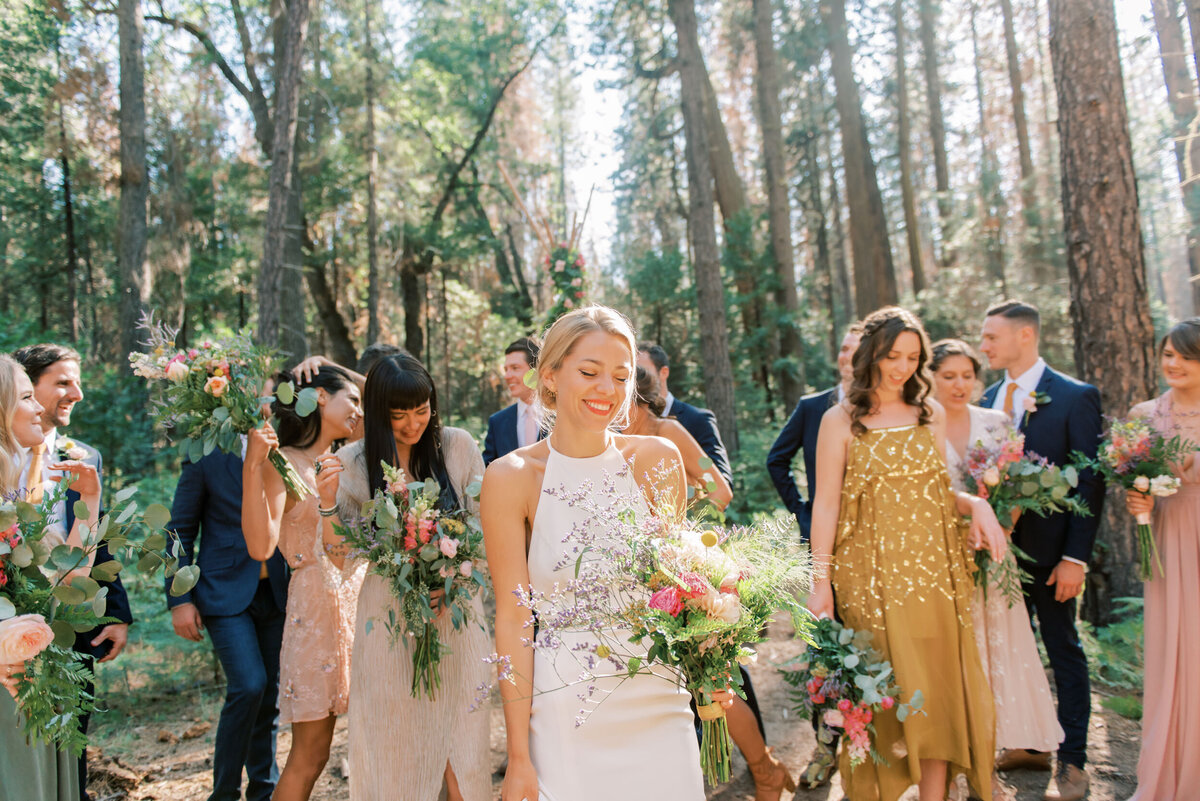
[{"x": 886, "y": 522}]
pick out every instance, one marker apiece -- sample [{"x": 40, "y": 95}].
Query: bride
[{"x": 585, "y": 384}]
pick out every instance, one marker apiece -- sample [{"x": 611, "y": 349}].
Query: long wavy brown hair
[{"x": 880, "y": 330}]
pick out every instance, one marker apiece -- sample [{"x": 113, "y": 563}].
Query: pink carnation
[
  {"x": 667, "y": 600},
  {"x": 845, "y": 704},
  {"x": 888, "y": 702}
]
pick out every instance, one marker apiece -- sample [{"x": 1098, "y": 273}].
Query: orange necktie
[
  {"x": 33, "y": 479},
  {"x": 1008, "y": 398}
]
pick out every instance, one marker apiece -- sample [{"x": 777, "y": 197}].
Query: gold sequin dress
[{"x": 900, "y": 571}]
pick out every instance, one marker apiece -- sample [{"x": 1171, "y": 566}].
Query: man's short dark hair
[
  {"x": 656, "y": 354},
  {"x": 1018, "y": 312},
  {"x": 376, "y": 351},
  {"x": 527, "y": 346},
  {"x": 856, "y": 328},
  {"x": 36, "y": 359}
]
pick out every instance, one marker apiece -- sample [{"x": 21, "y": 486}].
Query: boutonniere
[
  {"x": 69, "y": 450},
  {"x": 1032, "y": 403}
]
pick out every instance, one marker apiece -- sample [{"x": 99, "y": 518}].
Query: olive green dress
[
  {"x": 900, "y": 571},
  {"x": 36, "y": 772}
]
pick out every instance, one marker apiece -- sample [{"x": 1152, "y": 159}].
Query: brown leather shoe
[
  {"x": 1070, "y": 784},
  {"x": 1021, "y": 759}
]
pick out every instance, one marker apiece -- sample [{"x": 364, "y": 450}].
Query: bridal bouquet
[
  {"x": 47, "y": 595},
  {"x": 660, "y": 590},
  {"x": 210, "y": 394},
  {"x": 420, "y": 550},
  {"x": 844, "y": 683},
  {"x": 1011, "y": 480},
  {"x": 1137, "y": 456}
]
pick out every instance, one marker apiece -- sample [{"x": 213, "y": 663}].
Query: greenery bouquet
[
  {"x": 1137, "y": 456},
  {"x": 842, "y": 681},
  {"x": 47, "y": 595},
  {"x": 211, "y": 394},
  {"x": 421, "y": 551},
  {"x": 1011, "y": 480}
]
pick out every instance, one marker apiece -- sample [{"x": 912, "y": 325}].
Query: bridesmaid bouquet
[
  {"x": 686, "y": 595},
  {"x": 420, "y": 549},
  {"x": 45, "y": 601},
  {"x": 844, "y": 683},
  {"x": 1011, "y": 480},
  {"x": 1136, "y": 456},
  {"x": 210, "y": 394}
]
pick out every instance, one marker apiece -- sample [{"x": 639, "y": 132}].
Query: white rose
[
  {"x": 1162, "y": 486},
  {"x": 991, "y": 477},
  {"x": 1141, "y": 484}
]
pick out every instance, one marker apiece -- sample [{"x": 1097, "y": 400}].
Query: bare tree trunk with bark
[
  {"x": 131, "y": 225},
  {"x": 372, "y": 171},
  {"x": 912, "y": 230},
  {"x": 937, "y": 125},
  {"x": 710, "y": 292},
  {"x": 1110, "y": 311}
]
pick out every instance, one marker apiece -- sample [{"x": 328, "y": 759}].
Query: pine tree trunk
[
  {"x": 1181, "y": 94},
  {"x": 991, "y": 198},
  {"x": 937, "y": 125},
  {"x": 1114, "y": 335},
  {"x": 912, "y": 232},
  {"x": 791, "y": 376},
  {"x": 710, "y": 292},
  {"x": 372, "y": 170},
  {"x": 131, "y": 224},
  {"x": 874, "y": 273}
]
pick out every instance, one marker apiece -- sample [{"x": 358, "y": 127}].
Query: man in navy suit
[
  {"x": 700, "y": 423},
  {"x": 519, "y": 424},
  {"x": 241, "y": 602},
  {"x": 54, "y": 372},
  {"x": 1058, "y": 415},
  {"x": 800, "y": 435}
]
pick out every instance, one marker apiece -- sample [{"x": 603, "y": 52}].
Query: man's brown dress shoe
[
  {"x": 1021, "y": 759},
  {"x": 1070, "y": 784}
]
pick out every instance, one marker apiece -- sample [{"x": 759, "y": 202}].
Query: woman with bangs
[
  {"x": 886, "y": 529},
  {"x": 404, "y": 748}
]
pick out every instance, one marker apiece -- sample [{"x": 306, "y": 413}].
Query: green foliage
[
  {"x": 1114, "y": 652},
  {"x": 1128, "y": 706}
]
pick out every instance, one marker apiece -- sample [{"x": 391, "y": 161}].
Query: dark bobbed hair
[
  {"x": 36, "y": 359},
  {"x": 1017, "y": 311},
  {"x": 880, "y": 330},
  {"x": 374, "y": 352},
  {"x": 528, "y": 346},
  {"x": 400, "y": 381},
  {"x": 945, "y": 348},
  {"x": 1184, "y": 336},
  {"x": 656, "y": 353},
  {"x": 299, "y": 432},
  {"x": 647, "y": 392}
]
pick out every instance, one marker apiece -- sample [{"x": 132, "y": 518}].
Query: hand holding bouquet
[
  {"x": 48, "y": 594},
  {"x": 431, "y": 559},
  {"x": 1137, "y": 456},
  {"x": 210, "y": 394},
  {"x": 1012, "y": 481},
  {"x": 844, "y": 683}
]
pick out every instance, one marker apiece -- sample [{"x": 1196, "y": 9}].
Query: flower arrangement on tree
[
  {"x": 1013, "y": 481},
  {"x": 565, "y": 267},
  {"x": 843, "y": 682},
  {"x": 1137, "y": 456},
  {"x": 47, "y": 595},
  {"x": 210, "y": 394},
  {"x": 660, "y": 594},
  {"x": 431, "y": 559}
]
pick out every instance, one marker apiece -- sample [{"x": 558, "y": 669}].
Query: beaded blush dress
[{"x": 900, "y": 572}]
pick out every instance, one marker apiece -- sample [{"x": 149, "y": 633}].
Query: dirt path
[{"x": 164, "y": 751}]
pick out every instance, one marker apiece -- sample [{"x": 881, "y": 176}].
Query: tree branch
[{"x": 206, "y": 41}]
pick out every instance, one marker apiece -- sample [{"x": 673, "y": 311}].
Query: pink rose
[
  {"x": 667, "y": 600},
  {"x": 216, "y": 385},
  {"x": 23, "y": 637},
  {"x": 697, "y": 585},
  {"x": 888, "y": 702},
  {"x": 465, "y": 569},
  {"x": 445, "y": 571},
  {"x": 559, "y": 266},
  {"x": 834, "y": 718},
  {"x": 845, "y": 704},
  {"x": 448, "y": 547},
  {"x": 177, "y": 372},
  {"x": 1029, "y": 404}
]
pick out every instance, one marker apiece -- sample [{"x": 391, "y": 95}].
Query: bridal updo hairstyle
[
  {"x": 880, "y": 330},
  {"x": 400, "y": 382},
  {"x": 10, "y": 473},
  {"x": 1185, "y": 338},
  {"x": 300, "y": 432},
  {"x": 560, "y": 341}
]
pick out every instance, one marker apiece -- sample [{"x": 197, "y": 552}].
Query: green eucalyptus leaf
[
  {"x": 155, "y": 542},
  {"x": 87, "y": 585},
  {"x": 286, "y": 392},
  {"x": 149, "y": 562},
  {"x": 705, "y": 463},
  {"x": 473, "y": 489},
  {"x": 851, "y": 660},
  {"x": 81, "y": 510},
  {"x": 100, "y": 602},
  {"x": 22, "y": 555},
  {"x": 69, "y": 594},
  {"x": 107, "y": 571},
  {"x": 7, "y": 609},
  {"x": 306, "y": 401},
  {"x": 917, "y": 700},
  {"x": 27, "y": 512},
  {"x": 125, "y": 494},
  {"x": 901, "y": 713},
  {"x": 64, "y": 633},
  {"x": 221, "y": 413},
  {"x": 127, "y": 514},
  {"x": 429, "y": 552},
  {"x": 185, "y": 579}
]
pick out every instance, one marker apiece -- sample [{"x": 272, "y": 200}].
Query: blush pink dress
[
  {"x": 1169, "y": 766},
  {"x": 318, "y": 635}
]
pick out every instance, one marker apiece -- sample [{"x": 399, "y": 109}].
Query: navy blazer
[
  {"x": 502, "y": 434},
  {"x": 800, "y": 434},
  {"x": 1070, "y": 422},
  {"x": 117, "y": 600},
  {"x": 702, "y": 425},
  {"x": 208, "y": 504}
]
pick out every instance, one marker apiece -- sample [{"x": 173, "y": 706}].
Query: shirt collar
[
  {"x": 669, "y": 402},
  {"x": 1029, "y": 379},
  {"x": 523, "y": 408}
]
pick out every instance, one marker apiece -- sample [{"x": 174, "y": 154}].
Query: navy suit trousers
[{"x": 1057, "y": 621}]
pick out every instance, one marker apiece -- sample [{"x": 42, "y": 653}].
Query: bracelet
[
  {"x": 330, "y": 512},
  {"x": 335, "y": 549}
]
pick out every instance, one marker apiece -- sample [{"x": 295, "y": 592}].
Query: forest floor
[{"x": 162, "y": 749}]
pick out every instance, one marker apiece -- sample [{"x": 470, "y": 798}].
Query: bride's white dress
[{"x": 638, "y": 743}]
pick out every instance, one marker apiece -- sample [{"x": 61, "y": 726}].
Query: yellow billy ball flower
[{"x": 709, "y": 539}]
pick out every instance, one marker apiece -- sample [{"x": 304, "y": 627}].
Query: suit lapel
[
  {"x": 989, "y": 395},
  {"x": 1042, "y": 388}
]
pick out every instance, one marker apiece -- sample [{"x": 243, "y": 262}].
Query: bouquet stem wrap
[{"x": 715, "y": 745}]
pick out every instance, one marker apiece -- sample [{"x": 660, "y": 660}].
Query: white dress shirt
[
  {"x": 528, "y": 424},
  {"x": 59, "y": 514},
  {"x": 669, "y": 401},
  {"x": 1026, "y": 385}
]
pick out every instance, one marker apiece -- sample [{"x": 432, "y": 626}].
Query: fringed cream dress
[{"x": 399, "y": 745}]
